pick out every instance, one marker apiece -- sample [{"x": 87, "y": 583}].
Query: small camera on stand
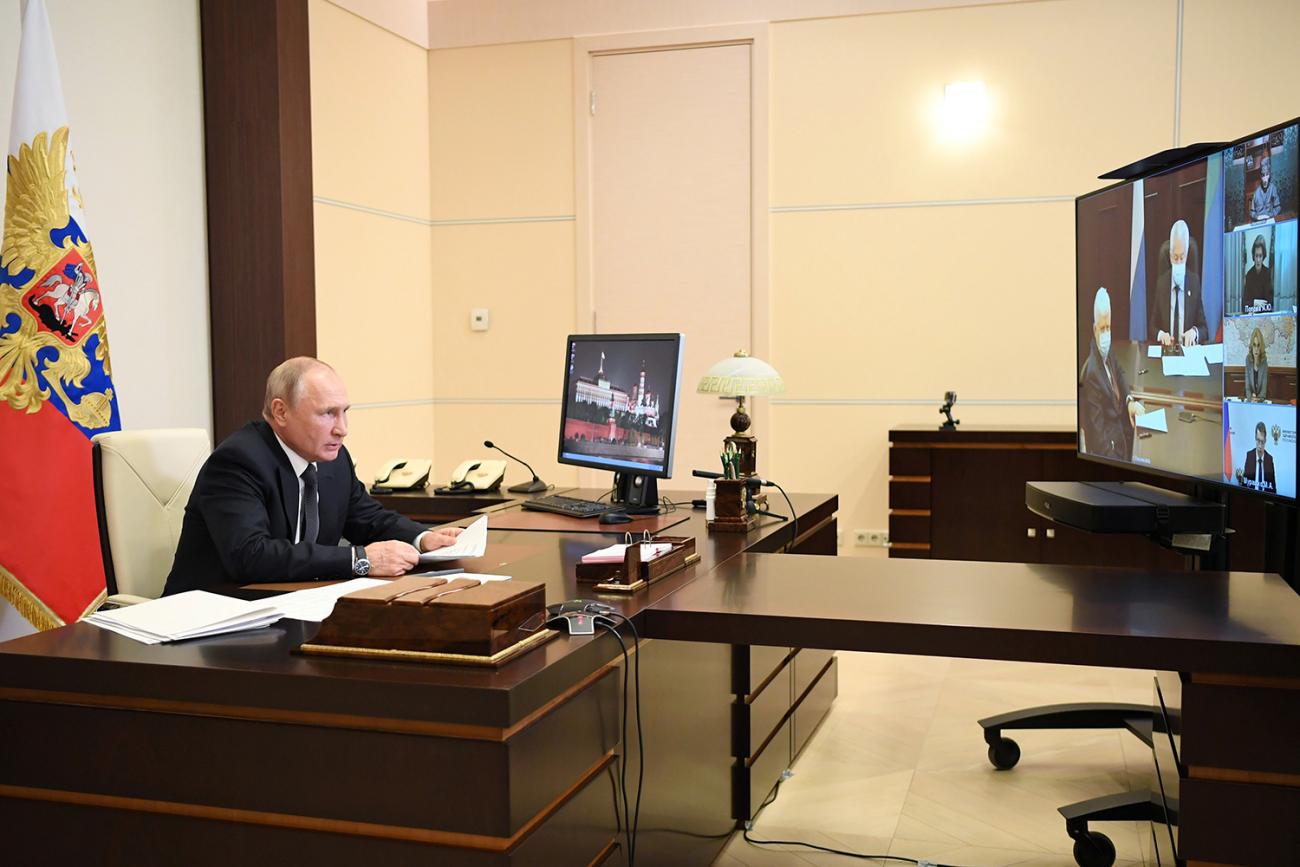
[{"x": 949, "y": 398}]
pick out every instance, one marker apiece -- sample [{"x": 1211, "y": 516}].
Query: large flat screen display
[
  {"x": 1186, "y": 282},
  {"x": 620, "y": 402}
]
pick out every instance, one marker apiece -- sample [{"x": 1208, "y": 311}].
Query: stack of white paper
[
  {"x": 470, "y": 543},
  {"x": 617, "y": 553},
  {"x": 192, "y": 614},
  {"x": 317, "y": 603}
]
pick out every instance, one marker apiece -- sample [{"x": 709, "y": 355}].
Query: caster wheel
[
  {"x": 1094, "y": 849},
  {"x": 1004, "y": 754}
]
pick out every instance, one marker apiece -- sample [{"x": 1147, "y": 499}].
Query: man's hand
[
  {"x": 1191, "y": 337},
  {"x": 440, "y": 538},
  {"x": 1165, "y": 338},
  {"x": 1135, "y": 409},
  {"x": 392, "y": 558}
]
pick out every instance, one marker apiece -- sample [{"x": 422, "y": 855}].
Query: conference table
[{"x": 236, "y": 746}]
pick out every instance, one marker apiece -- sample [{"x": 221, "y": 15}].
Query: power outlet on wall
[{"x": 871, "y": 538}]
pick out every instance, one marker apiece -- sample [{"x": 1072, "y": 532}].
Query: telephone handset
[
  {"x": 475, "y": 476},
  {"x": 402, "y": 474}
]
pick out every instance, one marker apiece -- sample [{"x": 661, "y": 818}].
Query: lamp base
[{"x": 747, "y": 445}]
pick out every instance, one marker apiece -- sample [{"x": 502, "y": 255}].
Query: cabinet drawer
[
  {"x": 752, "y": 779},
  {"x": 815, "y": 705},
  {"x": 754, "y": 664},
  {"x": 905, "y": 461},
  {"x": 755, "y": 717},
  {"x": 904, "y": 527},
  {"x": 1213, "y": 739},
  {"x": 909, "y": 494}
]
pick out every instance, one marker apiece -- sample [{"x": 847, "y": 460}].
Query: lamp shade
[{"x": 741, "y": 375}]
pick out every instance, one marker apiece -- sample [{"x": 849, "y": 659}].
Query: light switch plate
[{"x": 479, "y": 319}]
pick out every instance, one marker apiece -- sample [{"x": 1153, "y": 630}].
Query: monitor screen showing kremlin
[
  {"x": 1186, "y": 305},
  {"x": 620, "y": 400}
]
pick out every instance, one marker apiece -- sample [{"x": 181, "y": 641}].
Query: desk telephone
[
  {"x": 472, "y": 476},
  {"x": 402, "y": 474}
]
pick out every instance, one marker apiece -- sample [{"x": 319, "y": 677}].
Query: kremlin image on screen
[{"x": 618, "y": 403}]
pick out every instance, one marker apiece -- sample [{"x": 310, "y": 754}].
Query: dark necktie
[{"x": 310, "y": 518}]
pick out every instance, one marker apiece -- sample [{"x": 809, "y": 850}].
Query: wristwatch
[{"x": 360, "y": 563}]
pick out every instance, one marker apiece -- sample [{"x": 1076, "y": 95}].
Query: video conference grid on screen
[
  {"x": 1187, "y": 317},
  {"x": 618, "y": 403}
]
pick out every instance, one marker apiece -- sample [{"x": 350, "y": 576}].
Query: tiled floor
[{"x": 899, "y": 767}]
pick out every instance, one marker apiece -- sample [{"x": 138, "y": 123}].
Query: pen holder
[
  {"x": 729, "y": 508},
  {"x": 747, "y": 446}
]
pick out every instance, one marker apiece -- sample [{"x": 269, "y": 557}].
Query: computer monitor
[
  {"x": 1186, "y": 305},
  {"x": 620, "y": 409}
]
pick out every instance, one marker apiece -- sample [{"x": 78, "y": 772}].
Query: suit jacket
[
  {"x": 1248, "y": 472},
  {"x": 1193, "y": 310},
  {"x": 1103, "y": 413},
  {"x": 240, "y": 520}
]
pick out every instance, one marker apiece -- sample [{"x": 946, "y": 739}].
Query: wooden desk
[
  {"x": 234, "y": 748},
  {"x": 1226, "y": 724}
]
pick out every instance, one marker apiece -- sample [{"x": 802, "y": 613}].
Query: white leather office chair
[{"x": 143, "y": 480}]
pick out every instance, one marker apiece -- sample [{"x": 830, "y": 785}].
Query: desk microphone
[{"x": 533, "y": 487}]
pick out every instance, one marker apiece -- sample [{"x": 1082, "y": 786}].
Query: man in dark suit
[
  {"x": 1108, "y": 411},
  {"x": 1176, "y": 313},
  {"x": 273, "y": 500},
  {"x": 1257, "y": 472}
]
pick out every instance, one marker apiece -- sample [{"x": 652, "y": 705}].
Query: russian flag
[
  {"x": 1137, "y": 295},
  {"x": 56, "y": 388}
]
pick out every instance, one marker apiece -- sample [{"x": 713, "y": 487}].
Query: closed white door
[{"x": 671, "y": 230}]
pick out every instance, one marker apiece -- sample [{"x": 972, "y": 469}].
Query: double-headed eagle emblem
[{"x": 52, "y": 331}]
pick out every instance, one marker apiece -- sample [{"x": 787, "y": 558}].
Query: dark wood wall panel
[{"x": 261, "y": 265}]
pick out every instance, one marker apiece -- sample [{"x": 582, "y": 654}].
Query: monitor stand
[
  {"x": 1190, "y": 525},
  {"x": 638, "y": 494}
]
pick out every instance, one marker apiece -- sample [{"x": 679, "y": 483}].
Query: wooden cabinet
[{"x": 960, "y": 495}]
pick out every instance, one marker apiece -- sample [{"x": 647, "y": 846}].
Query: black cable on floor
[{"x": 755, "y": 842}]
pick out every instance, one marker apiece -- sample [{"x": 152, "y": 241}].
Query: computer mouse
[{"x": 614, "y": 518}]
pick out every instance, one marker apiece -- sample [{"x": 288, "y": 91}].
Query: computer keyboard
[{"x": 570, "y": 506}]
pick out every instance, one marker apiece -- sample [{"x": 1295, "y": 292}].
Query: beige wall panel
[
  {"x": 908, "y": 303},
  {"x": 501, "y": 130},
  {"x": 531, "y": 431},
  {"x": 373, "y": 304},
  {"x": 369, "y": 113},
  {"x": 382, "y": 434},
  {"x": 1076, "y": 88},
  {"x": 845, "y": 449},
  {"x": 523, "y": 274},
  {"x": 1239, "y": 67}
]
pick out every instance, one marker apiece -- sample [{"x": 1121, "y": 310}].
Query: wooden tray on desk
[
  {"x": 549, "y": 521},
  {"x": 632, "y": 573}
]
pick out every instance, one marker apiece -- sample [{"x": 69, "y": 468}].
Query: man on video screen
[
  {"x": 1257, "y": 472},
  {"x": 1108, "y": 412},
  {"x": 1177, "y": 317}
]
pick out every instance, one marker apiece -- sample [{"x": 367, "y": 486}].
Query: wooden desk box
[{"x": 417, "y": 616}]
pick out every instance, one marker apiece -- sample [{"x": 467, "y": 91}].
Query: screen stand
[{"x": 637, "y": 493}]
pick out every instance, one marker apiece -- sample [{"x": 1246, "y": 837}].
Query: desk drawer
[
  {"x": 1218, "y": 706},
  {"x": 754, "y": 717},
  {"x": 753, "y": 779},
  {"x": 754, "y": 664},
  {"x": 816, "y": 703}
]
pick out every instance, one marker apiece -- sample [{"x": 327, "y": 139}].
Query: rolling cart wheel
[
  {"x": 1094, "y": 849},
  {"x": 1004, "y": 754}
]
